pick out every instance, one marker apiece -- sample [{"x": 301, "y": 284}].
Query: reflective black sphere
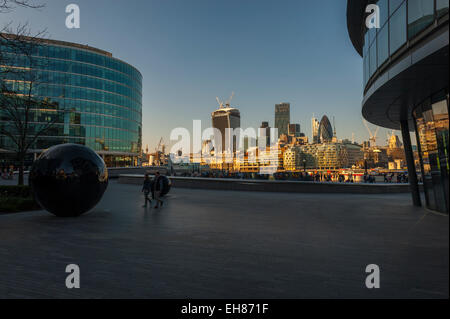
[{"x": 68, "y": 179}]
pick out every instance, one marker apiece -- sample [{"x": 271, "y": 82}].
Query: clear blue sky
[{"x": 190, "y": 51}]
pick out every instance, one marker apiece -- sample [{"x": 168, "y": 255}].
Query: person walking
[
  {"x": 159, "y": 186},
  {"x": 146, "y": 189}
]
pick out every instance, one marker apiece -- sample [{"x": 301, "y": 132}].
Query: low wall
[
  {"x": 115, "y": 172},
  {"x": 273, "y": 186}
]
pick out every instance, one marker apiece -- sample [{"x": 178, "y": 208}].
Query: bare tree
[
  {"x": 8, "y": 5},
  {"x": 24, "y": 114},
  {"x": 20, "y": 110}
]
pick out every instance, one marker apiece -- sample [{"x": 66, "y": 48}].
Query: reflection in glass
[
  {"x": 432, "y": 125},
  {"x": 383, "y": 45},
  {"x": 393, "y": 5},
  {"x": 441, "y": 7},
  {"x": 420, "y": 16},
  {"x": 398, "y": 29}
]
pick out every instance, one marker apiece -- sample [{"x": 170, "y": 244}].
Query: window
[
  {"x": 441, "y": 7},
  {"x": 393, "y": 5},
  {"x": 398, "y": 29},
  {"x": 383, "y": 45},
  {"x": 383, "y": 5},
  {"x": 420, "y": 16},
  {"x": 373, "y": 58}
]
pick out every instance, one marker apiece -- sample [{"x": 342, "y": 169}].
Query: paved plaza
[{"x": 226, "y": 244}]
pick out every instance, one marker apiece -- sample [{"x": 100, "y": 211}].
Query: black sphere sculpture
[{"x": 68, "y": 179}]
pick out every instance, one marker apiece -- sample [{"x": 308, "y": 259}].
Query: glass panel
[
  {"x": 420, "y": 16},
  {"x": 372, "y": 35},
  {"x": 432, "y": 131},
  {"x": 440, "y": 117},
  {"x": 373, "y": 58},
  {"x": 383, "y": 45},
  {"x": 398, "y": 29},
  {"x": 393, "y": 5},
  {"x": 366, "y": 69},
  {"x": 366, "y": 43},
  {"x": 383, "y": 5},
  {"x": 441, "y": 7}
]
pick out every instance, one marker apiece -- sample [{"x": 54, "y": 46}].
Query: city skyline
[{"x": 181, "y": 78}]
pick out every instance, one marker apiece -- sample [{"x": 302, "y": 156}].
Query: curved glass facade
[
  {"x": 96, "y": 100},
  {"x": 431, "y": 118},
  {"x": 400, "y": 21}
]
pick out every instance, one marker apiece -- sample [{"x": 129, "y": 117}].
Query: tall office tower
[
  {"x": 315, "y": 130},
  {"x": 325, "y": 130},
  {"x": 226, "y": 117},
  {"x": 266, "y": 129},
  {"x": 294, "y": 130},
  {"x": 282, "y": 118}
]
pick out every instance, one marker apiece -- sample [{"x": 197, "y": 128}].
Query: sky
[{"x": 192, "y": 51}]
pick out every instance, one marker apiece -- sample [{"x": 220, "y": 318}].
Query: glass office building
[
  {"x": 405, "y": 64},
  {"x": 96, "y": 100},
  {"x": 282, "y": 118}
]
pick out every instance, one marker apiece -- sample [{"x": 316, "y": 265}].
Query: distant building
[
  {"x": 315, "y": 124},
  {"x": 226, "y": 117},
  {"x": 293, "y": 159},
  {"x": 332, "y": 156},
  {"x": 282, "y": 118},
  {"x": 355, "y": 154},
  {"x": 325, "y": 130},
  {"x": 265, "y": 129},
  {"x": 294, "y": 130}
]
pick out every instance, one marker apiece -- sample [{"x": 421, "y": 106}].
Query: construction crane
[
  {"x": 373, "y": 136},
  {"x": 228, "y": 103},
  {"x": 220, "y": 103},
  {"x": 160, "y": 144}
]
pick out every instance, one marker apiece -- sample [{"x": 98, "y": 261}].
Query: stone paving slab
[{"x": 226, "y": 244}]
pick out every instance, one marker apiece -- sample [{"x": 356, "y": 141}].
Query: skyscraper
[
  {"x": 294, "y": 130},
  {"x": 282, "y": 118},
  {"x": 325, "y": 130},
  {"x": 226, "y": 117},
  {"x": 265, "y": 128},
  {"x": 315, "y": 130}
]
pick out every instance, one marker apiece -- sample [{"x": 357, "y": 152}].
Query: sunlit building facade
[
  {"x": 282, "y": 118},
  {"x": 325, "y": 130},
  {"x": 97, "y": 100},
  {"x": 406, "y": 83}
]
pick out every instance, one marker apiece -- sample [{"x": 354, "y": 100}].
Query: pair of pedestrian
[{"x": 154, "y": 186}]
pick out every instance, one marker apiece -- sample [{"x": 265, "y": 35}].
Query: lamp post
[{"x": 304, "y": 165}]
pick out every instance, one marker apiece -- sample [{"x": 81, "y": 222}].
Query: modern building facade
[
  {"x": 294, "y": 130},
  {"x": 406, "y": 83},
  {"x": 265, "y": 130},
  {"x": 325, "y": 130},
  {"x": 282, "y": 118},
  {"x": 223, "y": 118},
  {"x": 315, "y": 124},
  {"x": 96, "y": 99}
]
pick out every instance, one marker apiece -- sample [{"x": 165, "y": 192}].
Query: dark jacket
[
  {"x": 159, "y": 183},
  {"x": 147, "y": 187}
]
